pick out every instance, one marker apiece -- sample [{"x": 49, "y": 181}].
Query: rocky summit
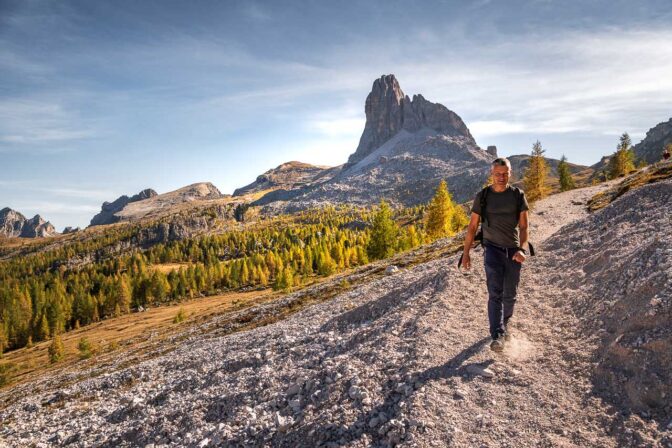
[
  {"x": 407, "y": 147},
  {"x": 388, "y": 111},
  {"x": 651, "y": 148},
  {"x": 109, "y": 209},
  {"x": 148, "y": 202},
  {"x": 287, "y": 177},
  {"x": 14, "y": 224}
]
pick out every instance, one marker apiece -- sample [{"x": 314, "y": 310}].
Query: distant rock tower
[{"x": 492, "y": 150}]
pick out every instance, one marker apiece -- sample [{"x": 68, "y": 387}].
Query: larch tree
[
  {"x": 384, "y": 232},
  {"x": 534, "y": 180},
  {"x": 56, "y": 349},
  {"x": 622, "y": 161},
  {"x": 439, "y": 221},
  {"x": 566, "y": 180}
]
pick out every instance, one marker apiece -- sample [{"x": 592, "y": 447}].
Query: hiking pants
[{"x": 503, "y": 275}]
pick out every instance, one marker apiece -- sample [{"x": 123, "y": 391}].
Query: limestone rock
[
  {"x": 388, "y": 111},
  {"x": 14, "y": 224},
  {"x": 651, "y": 148},
  {"x": 288, "y": 176},
  {"x": 108, "y": 209}
]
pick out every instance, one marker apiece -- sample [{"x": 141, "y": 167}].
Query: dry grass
[
  {"x": 166, "y": 268},
  {"x": 654, "y": 173},
  {"x": 130, "y": 330}
]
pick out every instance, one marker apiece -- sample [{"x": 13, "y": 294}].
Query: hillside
[{"x": 402, "y": 359}]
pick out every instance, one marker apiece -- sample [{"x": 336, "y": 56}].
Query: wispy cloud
[{"x": 33, "y": 121}]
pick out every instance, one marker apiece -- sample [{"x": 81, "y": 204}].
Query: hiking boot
[{"x": 497, "y": 345}]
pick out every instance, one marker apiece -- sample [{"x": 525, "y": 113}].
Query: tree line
[{"x": 41, "y": 295}]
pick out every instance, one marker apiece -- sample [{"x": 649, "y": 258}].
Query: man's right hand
[{"x": 466, "y": 261}]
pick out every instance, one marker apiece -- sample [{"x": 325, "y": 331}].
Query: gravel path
[{"x": 404, "y": 360}]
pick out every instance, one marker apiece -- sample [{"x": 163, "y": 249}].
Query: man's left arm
[{"x": 522, "y": 228}]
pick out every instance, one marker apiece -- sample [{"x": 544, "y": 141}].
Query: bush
[
  {"x": 86, "y": 349},
  {"x": 6, "y": 370},
  {"x": 180, "y": 316},
  {"x": 56, "y": 349}
]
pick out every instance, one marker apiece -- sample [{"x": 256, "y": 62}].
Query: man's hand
[
  {"x": 519, "y": 257},
  {"x": 466, "y": 261}
]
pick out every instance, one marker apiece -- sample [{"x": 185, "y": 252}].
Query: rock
[
  {"x": 108, "y": 209},
  {"x": 14, "y": 224},
  {"x": 69, "y": 229},
  {"x": 459, "y": 394},
  {"x": 651, "y": 147},
  {"x": 293, "y": 389},
  {"x": 283, "y": 423},
  {"x": 388, "y": 110},
  {"x": 391, "y": 270},
  {"x": 492, "y": 150},
  {"x": 406, "y": 148},
  {"x": 286, "y": 177},
  {"x": 475, "y": 369}
]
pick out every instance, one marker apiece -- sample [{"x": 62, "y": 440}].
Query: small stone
[
  {"x": 293, "y": 389},
  {"x": 480, "y": 371}
]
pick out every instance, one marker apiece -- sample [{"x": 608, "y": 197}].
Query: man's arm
[
  {"x": 469, "y": 239},
  {"x": 524, "y": 235}
]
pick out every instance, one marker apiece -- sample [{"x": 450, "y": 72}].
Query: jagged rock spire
[{"x": 389, "y": 110}]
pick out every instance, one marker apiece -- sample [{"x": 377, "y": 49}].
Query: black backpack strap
[
  {"x": 519, "y": 206},
  {"x": 484, "y": 203}
]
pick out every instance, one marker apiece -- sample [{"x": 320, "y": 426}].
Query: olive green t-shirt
[{"x": 502, "y": 222}]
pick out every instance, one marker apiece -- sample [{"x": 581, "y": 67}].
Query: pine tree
[
  {"x": 122, "y": 295},
  {"x": 383, "y": 233},
  {"x": 566, "y": 180},
  {"x": 56, "y": 349},
  {"x": 85, "y": 348},
  {"x": 622, "y": 162},
  {"x": 534, "y": 179},
  {"x": 439, "y": 221}
]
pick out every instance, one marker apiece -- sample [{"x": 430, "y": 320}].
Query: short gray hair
[{"x": 502, "y": 161}]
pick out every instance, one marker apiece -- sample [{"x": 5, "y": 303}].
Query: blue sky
[{"x": 100, "y": 99}]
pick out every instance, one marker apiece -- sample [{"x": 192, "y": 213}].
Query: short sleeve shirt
[{"x": 502, "y": 222}]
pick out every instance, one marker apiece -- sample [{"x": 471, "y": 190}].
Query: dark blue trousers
[{"x": 503, "y": 276}]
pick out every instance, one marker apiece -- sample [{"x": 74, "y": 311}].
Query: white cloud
[
  {"x": 35, "y": 121},
  {"x": 339, "y": 127},
  {"x": 496, "y": 127}
]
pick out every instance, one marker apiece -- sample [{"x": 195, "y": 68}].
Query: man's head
[{"x": 501, "y": 171}]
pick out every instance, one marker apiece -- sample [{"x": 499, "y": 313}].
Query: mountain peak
[
  {"x": 14, "y": 224},
  {"x": 388, "y": 111}
]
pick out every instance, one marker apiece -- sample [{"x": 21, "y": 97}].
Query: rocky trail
[{"x": 404, "y": 360}]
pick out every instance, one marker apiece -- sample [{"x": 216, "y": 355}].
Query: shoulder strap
[
  {"x": 519, "y": 200},
  {"x": 484, "y": 203}
]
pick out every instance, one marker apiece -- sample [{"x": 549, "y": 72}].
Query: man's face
[{"x": 500, "y": 175}]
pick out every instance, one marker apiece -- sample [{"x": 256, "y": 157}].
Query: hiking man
[{"x": 503, "y": 211}]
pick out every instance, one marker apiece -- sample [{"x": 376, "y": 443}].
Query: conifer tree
[
  {"x": 384, "y": 233},
  {"x": 566, "y": 180},
  {"x": 534, "y": 179},
  {"x": 622, "y": 161},
  {"x": 439, "y": 221},
  {"x": 123, "y": 293},
  {"x": 56, "y": 349}
]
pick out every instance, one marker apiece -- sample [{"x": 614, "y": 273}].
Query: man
[{"x": 505, "y": 245}]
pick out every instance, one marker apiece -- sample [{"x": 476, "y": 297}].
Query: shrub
[
  {"x": 56, "y": 349},
  {"x": 180, "y": 316}
]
